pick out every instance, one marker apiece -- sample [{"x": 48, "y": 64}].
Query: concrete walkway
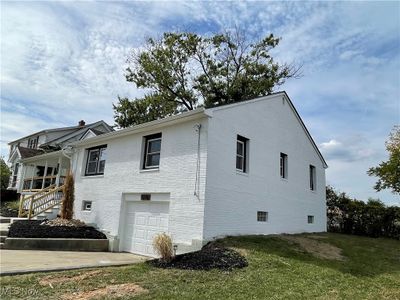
[{"x": 28, "y": 261}]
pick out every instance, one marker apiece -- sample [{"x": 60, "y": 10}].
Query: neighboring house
[
  {"x": 37, "y": 160},
  {"x": 245, "y": 168}
]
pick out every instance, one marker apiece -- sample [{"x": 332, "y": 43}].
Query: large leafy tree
[
  {"x": 5, "y": 174},
  {"x": 181, "y": 71},
  {"x": 388, "y": 171}
]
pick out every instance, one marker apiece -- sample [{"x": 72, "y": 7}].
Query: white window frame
[
  {"x": 148, "y": 141},
  {"x": 99, "y": 150},
  {"x": 313, "y": 179},
  {"x": 283, "y": 165},
  {"x": 85, "y": 205},
  {"x": 242, "y": 156}
]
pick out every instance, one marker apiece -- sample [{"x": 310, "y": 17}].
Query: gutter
[{"x": 176, "y": 119}]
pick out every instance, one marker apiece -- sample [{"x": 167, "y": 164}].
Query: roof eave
[
  {"x": 41, "y": 156},
  {"x": 191, "y": 115}
]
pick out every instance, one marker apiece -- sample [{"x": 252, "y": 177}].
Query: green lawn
[{"x": 278, "y": 269}]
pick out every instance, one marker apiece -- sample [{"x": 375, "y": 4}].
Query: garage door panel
[
  {"x": 149, "y": 219},
  {"x": 152, "y": 220},
  {"x": 140, "y": 233},
  {"x": 140, "y": 219},
  {"x": 164, "y": 221}
]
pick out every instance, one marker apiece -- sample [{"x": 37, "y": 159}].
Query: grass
[
  {"x": 12, "y": 204},
  {"x": 278, "y": 269}
]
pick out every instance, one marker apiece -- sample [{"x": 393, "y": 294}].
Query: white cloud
[
  {"x": 64, "y": 61},
  {"x": 353, "y": 149}
]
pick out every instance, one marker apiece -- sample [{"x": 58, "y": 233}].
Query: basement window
[
  {"x": 262, "y": 216},
  {"x": 87, "y": 205},
  {"x": 310, "y": 219}
]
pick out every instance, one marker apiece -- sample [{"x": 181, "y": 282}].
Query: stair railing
[{"x": 41, "y": 201}]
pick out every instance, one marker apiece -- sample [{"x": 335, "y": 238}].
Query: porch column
[
  {"x": 33, "y": 175},
  {"x": 59, "y": 171},
  {"x": 22, "y": 181},
  {"x": 44, "y": 175}
]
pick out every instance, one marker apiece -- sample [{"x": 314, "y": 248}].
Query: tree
[
  {"x": 389, "y": 171},
  {"x": 151, "y": 107},
  {"x": 182, "y": 71},
  {"x": 5, "y": 174},
  {"x": 67, "y": 205}
]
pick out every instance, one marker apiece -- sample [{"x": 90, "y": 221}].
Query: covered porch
[{"x": 42, "y": 171}]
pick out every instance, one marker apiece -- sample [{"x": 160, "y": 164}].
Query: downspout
[{"x": 197, "y": 128}]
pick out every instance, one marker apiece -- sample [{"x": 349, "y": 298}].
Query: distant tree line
[{"x": 351, "y": 216}]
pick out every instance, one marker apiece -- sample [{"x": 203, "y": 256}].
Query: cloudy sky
[{"x": 64, "y": 61}]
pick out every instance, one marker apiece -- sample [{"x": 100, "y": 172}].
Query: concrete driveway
[{"x": 29, "y": 261}]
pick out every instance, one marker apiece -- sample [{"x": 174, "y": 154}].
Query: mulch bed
[
  {"x": 33, "y": 229},
  {"x": 8, "y": 212},
  {"x": 211, "y": 256}
]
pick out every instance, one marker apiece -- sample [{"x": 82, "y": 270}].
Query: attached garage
[{"x": 142, "y": 221}]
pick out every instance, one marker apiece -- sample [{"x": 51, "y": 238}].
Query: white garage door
[{"x": 143, "y": 220}]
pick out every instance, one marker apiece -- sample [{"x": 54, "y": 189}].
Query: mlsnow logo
[{"x": 17, "y": 292}]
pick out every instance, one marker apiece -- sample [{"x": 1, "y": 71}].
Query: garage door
[{"x": 143, "y": 220}]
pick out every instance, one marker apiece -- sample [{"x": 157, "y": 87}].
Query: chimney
[{"x": 81, "y": 123}]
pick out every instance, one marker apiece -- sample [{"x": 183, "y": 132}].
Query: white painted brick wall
[
  {"x": 232, "y": 199},
  {"x": 123, "y": 175}
]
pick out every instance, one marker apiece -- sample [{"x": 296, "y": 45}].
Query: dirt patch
[
  {"x": 316, "y": 247},
  {"x": 317, "y": 237},
  {"x": 52, "y": 280},
  {"x": 211, "y": 256},
  {"x": 114, "y": 291},
  {"x": 35, "y": 229}
]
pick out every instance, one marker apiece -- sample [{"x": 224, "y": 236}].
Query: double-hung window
[
  {"x": 312, "y": 178},
  {"x": 284, "y": 165},
  {"x": 241, "y": 154},
  {"x": 152, "y": 151},
  {"x": 96, "y": 160}
]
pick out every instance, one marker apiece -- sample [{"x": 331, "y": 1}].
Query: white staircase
[{"x": 49, "y": 214}]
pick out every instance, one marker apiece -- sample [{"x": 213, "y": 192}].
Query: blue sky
[{"x": 64, "y": 61}]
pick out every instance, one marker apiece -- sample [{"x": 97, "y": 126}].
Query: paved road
[{"x": 29, "y": 261}]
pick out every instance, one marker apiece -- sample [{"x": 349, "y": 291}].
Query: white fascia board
[
  {"x": 14, "y": 153},
  {"x": 176, "y": 119}
]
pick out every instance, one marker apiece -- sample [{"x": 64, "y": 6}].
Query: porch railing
[
  {"x": 36, "y": 183},
  {"x": 32, "y": 205}
]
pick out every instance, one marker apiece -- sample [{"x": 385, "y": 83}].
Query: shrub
[
  {"x": 162, "y": 244},
  {"x": 351, "y": 216},
  {"x": 67, "y": 206}
]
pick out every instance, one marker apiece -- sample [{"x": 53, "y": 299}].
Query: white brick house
[{"x": 245, "y": 168}]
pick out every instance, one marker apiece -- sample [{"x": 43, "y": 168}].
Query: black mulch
[
  {"x": 211, "y": 256},
  {"x": 8, "y": 212},
  {"x": 33, "y": 229}
]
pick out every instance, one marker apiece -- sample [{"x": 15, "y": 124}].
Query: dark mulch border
[
  {"x": 33, "y": 229},
  {"x": 211, "y": 256}
]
